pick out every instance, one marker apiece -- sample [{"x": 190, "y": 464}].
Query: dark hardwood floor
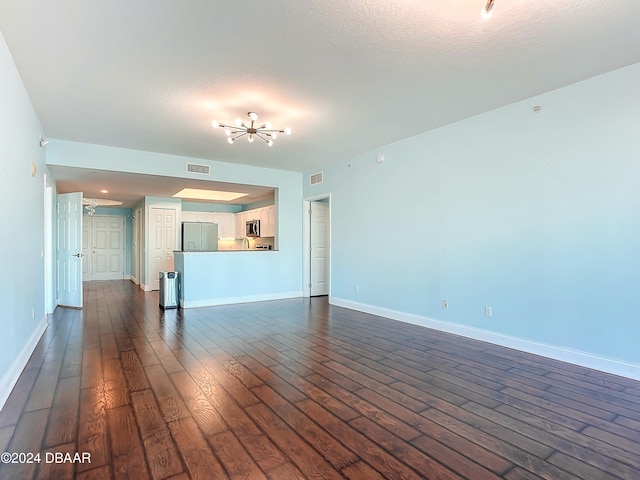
[{"x": 298, "y": 389}]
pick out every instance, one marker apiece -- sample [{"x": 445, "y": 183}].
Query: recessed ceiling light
[
  {"x": 199, "y": 194},
  {"x": 104, "y": 190}
]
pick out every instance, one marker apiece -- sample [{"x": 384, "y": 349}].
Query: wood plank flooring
[{"x": 298, "y": 389}]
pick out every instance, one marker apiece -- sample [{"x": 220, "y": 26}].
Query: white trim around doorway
[{"x": 306, "y": 241}]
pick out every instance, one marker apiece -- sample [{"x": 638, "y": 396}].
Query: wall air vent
[
  {"x": 315, "y": 179},
  {"x": 195, "y": 168}
]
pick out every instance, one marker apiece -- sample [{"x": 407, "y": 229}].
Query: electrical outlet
[
  {"x": 445, "y": 304},
  {"x": 357, "y": 288},
  {"x": 488, "y": 311}
]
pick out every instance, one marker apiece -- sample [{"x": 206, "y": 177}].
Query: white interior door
[
  {"x": 156, "y": 252},
  {"x": 107, "y": 248},
  {"x": 69, "y": 249},
  {"x": 135, "y": 234},
  {"x": 86, "y": 249},
  {"x": 142, "y": 245},
  {"x": 169, "y": 242},
  {"x": 319, "y": 265},
  {"x": 162, "y": 242}
]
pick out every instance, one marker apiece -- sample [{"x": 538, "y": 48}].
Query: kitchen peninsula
[
  {"x": 224, "y": 277},
  {"x": 241, "y": 267}
]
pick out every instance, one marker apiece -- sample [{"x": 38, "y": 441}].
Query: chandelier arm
[
  {"x": 270, "y": 130},
  {"x": 238, "y": 136},
  {"x": 233, "y": 128},
  {"x": 257, "y": 134}
]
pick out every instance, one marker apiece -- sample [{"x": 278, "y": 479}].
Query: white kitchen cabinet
[
  {"x": 266, "y": 215},
  {"x": 226, "y": 224},
  {"x": 197, "y": 217},
  {"x": 241, "y": 218},
  {"x": 267, "y": 221},
  {"x": 189, "y": 216},
  {"x": 205, "y": 217},
  {"x": 253, "y": 214}
]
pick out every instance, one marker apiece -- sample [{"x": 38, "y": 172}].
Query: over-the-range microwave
[{"x": 253, "y": 228}]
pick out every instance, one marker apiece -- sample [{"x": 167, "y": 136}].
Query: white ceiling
[{"x": 346, "y": 76}]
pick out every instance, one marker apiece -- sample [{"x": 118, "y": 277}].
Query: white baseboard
[
  {"x": 576, "y": 357},
  {"x": 212, "y": 302},
  {"x": 11, "y": 376}
]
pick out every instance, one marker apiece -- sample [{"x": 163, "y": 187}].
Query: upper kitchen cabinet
[
  {"x": 240, "y": 221},
  {"x": 226, "y": 224},
  {"x": 189, "y": 216},
  {"x": 267, "y": 218},
  {"x": 202, "y": 217},
  {"x": 267, "y": 221}
]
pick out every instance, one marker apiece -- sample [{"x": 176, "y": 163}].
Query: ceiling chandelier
[
  {"x": 264, "y": 132},
  {"x": 90, "y": 204}
]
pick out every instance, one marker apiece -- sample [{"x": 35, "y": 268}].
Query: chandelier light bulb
[
  {"x": 270, "y": 143},
  {"x": 253, "y": 116},
  {"x": 227, "y": 132},
  {"x": 215, "y": 124},
  {"x": 238, "y": 122},
  {"x": 230, "y": 140},
  {"x": 250, "y": 138},
  {"x": 287, "y": 131},
  {"x": 487, "y": 11},
  {"x": 267, "y": 125},
  {"x": 274, "y": 135}
]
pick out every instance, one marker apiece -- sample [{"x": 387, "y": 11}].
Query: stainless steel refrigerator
[{"x": 199, "y": 237}]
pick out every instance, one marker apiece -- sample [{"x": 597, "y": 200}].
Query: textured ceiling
[{"x": 345, "y": 76}]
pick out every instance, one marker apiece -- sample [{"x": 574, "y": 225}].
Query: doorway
[
  {"x": 69, "y": 249},
  {"x": 47, "y": 252},
  {"x": 163, "y": 240},
  {"x": 136, "y": 246},
  {"x": 317, "y": 251},
  {"x": 103, "y": 247}
]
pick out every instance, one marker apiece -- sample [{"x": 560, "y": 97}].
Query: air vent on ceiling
[
  {"x": 315, "y": 179},
  {"x": 195, "y": 168}
]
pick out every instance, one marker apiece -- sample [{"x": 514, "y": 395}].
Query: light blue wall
[
  {"x": 22, "y": 233},
  {"x": 262, "y": 203},
  {"x": 289, "y": 185},
  {"x": 209, "y": 207},
  {"x": 214, "y": 278},
  {"x": 534, "y": 214}
]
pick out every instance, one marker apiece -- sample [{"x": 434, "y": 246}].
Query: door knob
[{"x": 78, "y": 255}]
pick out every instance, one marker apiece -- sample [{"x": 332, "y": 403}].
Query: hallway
[{"x": 300, "y": 389}]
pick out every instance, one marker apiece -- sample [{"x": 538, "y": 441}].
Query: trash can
[{"x": 168, "y": 295}]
